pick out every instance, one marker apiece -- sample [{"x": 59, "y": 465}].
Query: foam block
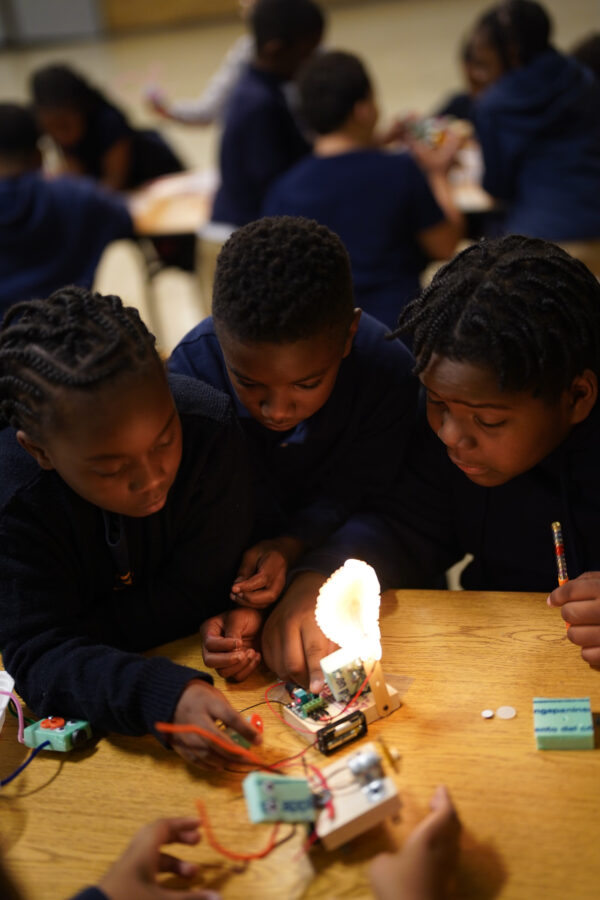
[{"x": 563, "y": 723}]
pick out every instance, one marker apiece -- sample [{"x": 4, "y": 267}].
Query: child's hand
[
  {"x": 293, "y": 645},
  {"x": 133, "y": 875},
  {"x": 202, "y": 704},
  {"x": 230, "y": 642},
  {"x": 580, "y": 607},
  {"x": 426, "y": 863},
  {"x": 436, "y": 159},
  {"x": 263, "y": 570},
  {"x": 157, "y": 101}
]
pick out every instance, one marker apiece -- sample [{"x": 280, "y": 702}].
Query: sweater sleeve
[
  {"x": 73, "y": 648},
  {"x": 90, "y": 893}
]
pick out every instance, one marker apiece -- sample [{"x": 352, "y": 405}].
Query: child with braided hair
[
  {"x": 124, "y": 510},
  {"x": 507, "y": 344}
]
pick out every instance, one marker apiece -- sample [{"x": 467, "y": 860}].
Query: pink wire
[{"x": 15, "y": 699}]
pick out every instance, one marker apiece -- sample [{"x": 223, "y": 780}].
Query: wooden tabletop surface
[{"x": 531, "y": 818}]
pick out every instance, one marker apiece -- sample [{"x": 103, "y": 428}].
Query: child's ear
[
  {"x": 352, "y": 331},
  {"x": 582, "y": 395},
  {"x": 38, "y": 452}
]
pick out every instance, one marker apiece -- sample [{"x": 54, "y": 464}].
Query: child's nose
[
  {"x": 276, "y": 406},
  {"x": 453, "y": 434},
  {"x": 147, "y": 477}
]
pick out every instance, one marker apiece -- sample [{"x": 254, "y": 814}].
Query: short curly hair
[
  {"x": 330, "y": 86},
  {"x": 519, "y": 306},
  {"x": 283, "y": 279}
]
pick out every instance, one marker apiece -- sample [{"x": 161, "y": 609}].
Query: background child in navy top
[
  {"x": 261, "y": 139},
  {"x": 507, "y": 342},
  {"x": 93, "y": 134},
  {"x": 379, "y": 203},
  {"x": 538, "y": 125},
  {"x": 323, "y": 399},
  {"x": 124, "y": 509},
  {"x": 52, "y": 231}
]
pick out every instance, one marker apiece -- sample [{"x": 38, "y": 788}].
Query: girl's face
[
  {"x": 118, "y": 448},
  {"x": 483, "y": 66},
  {"x": 494, "y": 435},
  {"x": 65, "y": 125}
]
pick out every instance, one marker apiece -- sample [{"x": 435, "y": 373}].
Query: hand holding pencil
[{"x": 579, "y": 602}]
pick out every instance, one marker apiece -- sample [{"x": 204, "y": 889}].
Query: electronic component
[
  {"x": 62, "y": 735},
  {"x": 7, "y": 685},
  {"x": 344, "y": 674},
  {"x": 330, "y": 711},
  {"x": 373, "y": 799},
  {"x": 278, "y": 798},
  {"x": 337, "y": 734}
]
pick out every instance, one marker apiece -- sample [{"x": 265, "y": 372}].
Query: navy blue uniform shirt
[
  {"x": 260, "y": 141},
  {"x": 539, "y": 130},
  {"x": 71, "y": 633},
  {"x": 53, "y": 232},
  {"x": 342, "y": 460},
  {"x": 377, "y": 202}
]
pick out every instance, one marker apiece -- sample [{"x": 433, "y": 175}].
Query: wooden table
[
  {"x": 173, "y": 204},
  {"x": 531, "y": 818}
]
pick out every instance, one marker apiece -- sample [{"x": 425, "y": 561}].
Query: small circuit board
[
  {"x": 313, "y": 714},
  {"x": 62, "y": 735}
]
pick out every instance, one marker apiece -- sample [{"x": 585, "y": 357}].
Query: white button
[{"x": 506, "y": 712}]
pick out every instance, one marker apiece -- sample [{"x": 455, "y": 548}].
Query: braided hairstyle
[
  {"x": 519, "y": 306},
  {"x": 283, "y": 279},
  {"x": 74, "y": 339},
  {"x": 517, "y": 29}
]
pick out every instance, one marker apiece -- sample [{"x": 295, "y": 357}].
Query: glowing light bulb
[{"x": 347, "y": 609}]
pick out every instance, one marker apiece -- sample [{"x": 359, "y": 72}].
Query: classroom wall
[{"x": 125, "y": 16}]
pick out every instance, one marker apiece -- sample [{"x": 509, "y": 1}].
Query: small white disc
[
  {"x": 506, "y": 712},
  {"x": 487, "y": 713}
]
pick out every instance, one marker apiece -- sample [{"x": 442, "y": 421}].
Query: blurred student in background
[
  {"x": 538, "y": 125},
  {"x": 391, "y": 216},
  {"x": 52, "y": 231},
  {"x": 261, "y": 139}
]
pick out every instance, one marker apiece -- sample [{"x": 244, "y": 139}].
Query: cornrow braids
[
  {"x": 74, "y": 339},
  {"x": 519, "y": 306},
  {"x": 283, "y": 279}
]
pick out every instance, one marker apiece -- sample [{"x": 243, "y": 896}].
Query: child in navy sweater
[
  {"x": 325, "y": 401},
  {"x": 261, "y": 139},
  {"x": 391, "y": 217},
  {"x": 52, "y": 231},
  {"x": 124, "y": 510},
  {"x": 507, "y": 343},
  {"x": 538, "y": 125}
]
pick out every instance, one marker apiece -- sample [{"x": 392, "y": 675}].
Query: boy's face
[
  {"x": 492, "y": 435},
  {"x": 484, "y": 65},
  {"x": 282, "y": 384},
  {"x": 120, "y": 447}
]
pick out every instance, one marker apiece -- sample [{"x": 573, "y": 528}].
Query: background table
[{"x": 531, "y": 818}]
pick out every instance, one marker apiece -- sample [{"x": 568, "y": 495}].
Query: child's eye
[
  {"x": 110, "y": 474},
  {"x": 489, "y": 424},
  {"x": 304, "y": 386},
  {"x": 433, "y": 402},
  {"x": 245, "y": 384},
  {"x": 166, "y": 443}
]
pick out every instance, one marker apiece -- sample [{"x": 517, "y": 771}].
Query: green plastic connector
[
  {"x": 63, "y": 736},
  {"x": 563, "y": 723},
  {"x": 278, "y": 798}
]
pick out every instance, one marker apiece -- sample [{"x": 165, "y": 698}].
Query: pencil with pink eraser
[{"x": 559, "y": 551}]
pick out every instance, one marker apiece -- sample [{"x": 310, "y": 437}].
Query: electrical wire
[
  {"x": 24, "y": 765},
  {"x": 15, "y": 699},
  {"x": 233, "y": 854},
  {"x": 13, "y": 710}
]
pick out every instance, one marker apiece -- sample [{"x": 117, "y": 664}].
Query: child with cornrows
[{"x": 124, "y": 511}]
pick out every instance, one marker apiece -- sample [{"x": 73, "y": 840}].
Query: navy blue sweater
[
  {"x": 377, "y": 203},
  {"x": 53, "y": 232},
  {"x": 260, "y": 141},
  {"x": 539, "y": 130},
  {"x": 341, "y": 460},
  {"x": 438, "y": 515},
  {"x": 71, "y": 640}
]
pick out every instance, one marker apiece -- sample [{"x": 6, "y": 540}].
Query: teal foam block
[
  {"x": 563, "y": 723},
  {"x": 278, "y": 798}
]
